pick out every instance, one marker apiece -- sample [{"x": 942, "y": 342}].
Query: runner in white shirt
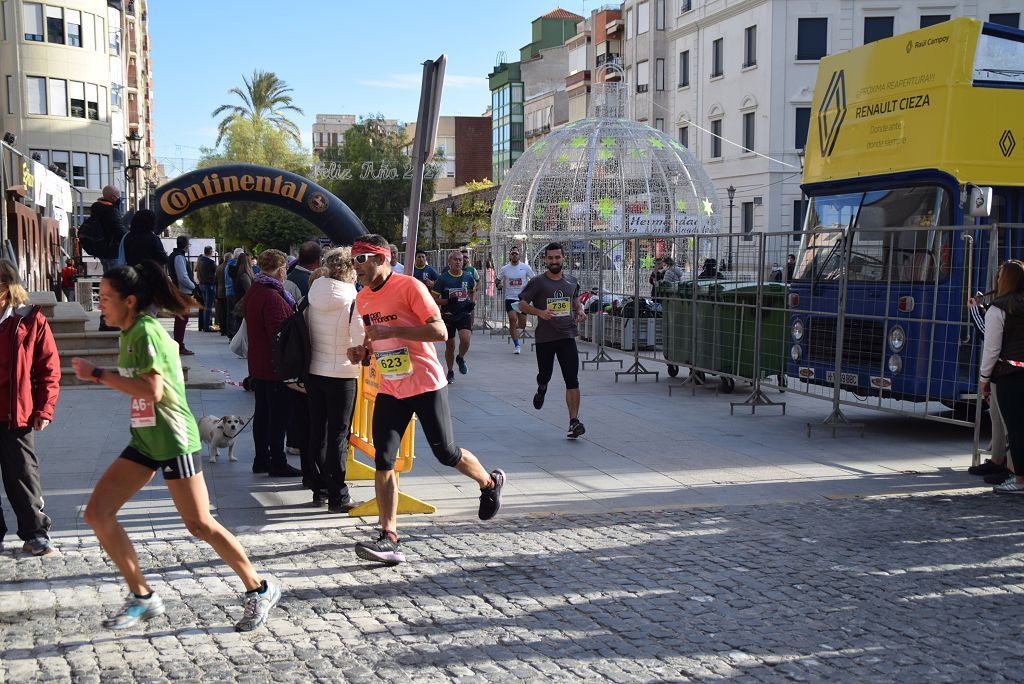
[{"x": 511, "y": 279}]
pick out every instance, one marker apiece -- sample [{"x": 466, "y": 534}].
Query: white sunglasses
[{"x": 361, "y": 258}]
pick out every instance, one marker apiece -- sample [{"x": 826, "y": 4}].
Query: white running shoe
[{"x": 517, "y": 350}]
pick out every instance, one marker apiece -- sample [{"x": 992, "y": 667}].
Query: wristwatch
[{"x": 97, "y": 373}]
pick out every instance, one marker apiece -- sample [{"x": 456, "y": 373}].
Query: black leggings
[
  {"x": 391, "y": 417},
  {"x": 331, "y": 403},
  {"x": 568, "y": 361},
  {"x": 1011, "y": 406}
]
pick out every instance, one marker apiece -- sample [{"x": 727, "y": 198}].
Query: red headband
[{"x": 366, "y": 248}]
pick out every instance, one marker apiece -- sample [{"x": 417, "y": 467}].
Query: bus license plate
[{"x": 847, "y": 378}]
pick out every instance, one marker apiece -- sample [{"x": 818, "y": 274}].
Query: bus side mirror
[{"x": 978, "y": 201}]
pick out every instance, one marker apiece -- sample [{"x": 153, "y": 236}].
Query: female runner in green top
[{"x": 164, "y": 438}]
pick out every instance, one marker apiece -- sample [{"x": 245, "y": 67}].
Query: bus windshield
[{"x": 890, "y": 236}]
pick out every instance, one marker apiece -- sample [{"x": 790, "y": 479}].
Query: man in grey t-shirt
[{"x": 554, "y": 298}]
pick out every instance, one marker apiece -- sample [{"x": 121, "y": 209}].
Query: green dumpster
[
  {"x": 737, "y": 323},
  {"x": 679, "y": 316}
]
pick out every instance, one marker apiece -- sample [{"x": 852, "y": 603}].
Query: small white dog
[{"x": 220, "y": 433}]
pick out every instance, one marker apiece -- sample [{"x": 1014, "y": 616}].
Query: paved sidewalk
[
  {"x": 673, "y": 541},
  {"x": 913, "y": 589}
]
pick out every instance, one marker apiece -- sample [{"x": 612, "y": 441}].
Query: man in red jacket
[
  {"x": 267, "y": 304},
  {"x": 29, "y": 385}
]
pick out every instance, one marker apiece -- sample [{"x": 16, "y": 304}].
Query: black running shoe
[
  {"x": 989, "y": 466},
  {"x": 490, "y": 499},
  {"x": 461, "y": 363},
  {"x": 383, "y": 550},
  {"x": 575, "y": 429},
  {"x": 538, "y": 398},
  {"x": 997, "y": 477},
  {"x": 451, "y": 377}
]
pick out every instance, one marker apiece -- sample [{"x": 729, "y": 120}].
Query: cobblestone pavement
[{"x": 915, "y": 588}]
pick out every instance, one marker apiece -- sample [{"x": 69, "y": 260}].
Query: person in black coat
[{"x": 142, "y": 243}]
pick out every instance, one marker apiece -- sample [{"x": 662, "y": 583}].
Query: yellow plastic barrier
[{"x": 361, "y": 438}]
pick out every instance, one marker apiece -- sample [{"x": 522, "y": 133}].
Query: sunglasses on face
[{"x": 361, "y": 258}]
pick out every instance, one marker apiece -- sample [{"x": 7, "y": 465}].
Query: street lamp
[
  {"x": 134, "y": 164},
  {"x": 732, "y": 193}
]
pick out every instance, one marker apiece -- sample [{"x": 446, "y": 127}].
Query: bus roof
[{"x": 947, "y": 97}]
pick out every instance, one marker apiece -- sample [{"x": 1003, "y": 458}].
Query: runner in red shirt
[{"x": 402, "y": 323}]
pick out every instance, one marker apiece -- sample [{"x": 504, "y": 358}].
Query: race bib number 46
[
  {"x": 394, "y": 364},
  {"x": 559, "y": 306},
  {"x": 143, "y": 413}
]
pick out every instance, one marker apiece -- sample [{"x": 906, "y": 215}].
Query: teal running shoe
[
  {"x": 257, "y": 607},
  {"x": 136, "y": 610}
]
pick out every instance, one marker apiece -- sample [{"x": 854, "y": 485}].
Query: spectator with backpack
[
  {"x": 179, "y": 270},
  {"x": 100, "y": 234},
  {"x": 265, "y": 307},
  {"x": 141, "y": 242}
]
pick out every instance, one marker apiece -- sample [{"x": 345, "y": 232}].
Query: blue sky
[{"x": 340, "y": 57}]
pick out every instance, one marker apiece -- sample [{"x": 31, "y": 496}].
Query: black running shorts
[
  {"x": 464, "y": 323},
  {"x": 178, "y": 468},
  {"x": 391, "y": 417}
]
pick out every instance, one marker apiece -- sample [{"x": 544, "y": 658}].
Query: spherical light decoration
[{"x": 606, "y": 175}]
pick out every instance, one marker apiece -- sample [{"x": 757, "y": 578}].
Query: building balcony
[{"x": 577, "y": 78}]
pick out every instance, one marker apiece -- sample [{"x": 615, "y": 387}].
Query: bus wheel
[
  {"x": 728, "y": 385},
  {"x": 673, "y": 371}
]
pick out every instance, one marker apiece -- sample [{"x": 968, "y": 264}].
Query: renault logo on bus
[{"x": 832, "y": 113}]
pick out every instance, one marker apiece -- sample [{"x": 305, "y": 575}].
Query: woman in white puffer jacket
[{"x": 334, "y": 326}]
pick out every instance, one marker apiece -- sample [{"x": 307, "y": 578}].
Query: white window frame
[
  {"x": 32, "y": 13},
  {"x": 74, "y": 87},
  {"x": 643, "y": 17},
  {"x": 716, "y": 138},
  {"x": 75, "y": 156},
  {"x": 747, "y": 149},
  {"x": 88, "y": 31},
  {"x": 58, "y": 103},
  {"x": 684, "y": 71},
  {"x": 51, "y": 13},
  {"x": 643, "y": 76},
  {"x": 37, "y": 84},
  {"x": 69, "y": 16}
]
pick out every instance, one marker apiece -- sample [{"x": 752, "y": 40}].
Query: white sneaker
[{"x": 516, "y": 350}]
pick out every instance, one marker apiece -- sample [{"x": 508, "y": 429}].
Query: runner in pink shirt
[{"x": 402, "y": 323}]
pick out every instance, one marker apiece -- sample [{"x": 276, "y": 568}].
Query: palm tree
[{"x": 265, "y": 98}]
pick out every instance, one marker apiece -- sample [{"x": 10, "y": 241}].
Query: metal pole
[
  {"x": 423, "y": 144},
  {"x": 837, "y": 418},
  {"x": 637, "y": 369}
]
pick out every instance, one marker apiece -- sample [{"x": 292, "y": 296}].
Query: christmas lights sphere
[{"x": 605, "y": 175}]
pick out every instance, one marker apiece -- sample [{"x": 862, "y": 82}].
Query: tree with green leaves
[
  {"x": 255, "y": 142},
  {"x": 373, "y": 176},
  {"x": 264, "y": 99}
]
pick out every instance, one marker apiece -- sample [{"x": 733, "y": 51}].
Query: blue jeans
[{"x": 209, "y": 291}]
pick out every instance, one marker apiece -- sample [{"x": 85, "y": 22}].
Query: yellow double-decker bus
[{"x": 915, "y": 142}]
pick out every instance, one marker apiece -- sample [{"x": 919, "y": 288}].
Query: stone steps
[
  {"x": 86, "y": 340},
  {"x": 68, "y": 321}
]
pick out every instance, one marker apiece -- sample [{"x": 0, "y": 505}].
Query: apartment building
[
  {"x": 463, "y": 150},
  {"x": 329, "y": 129},
  {"x": 77, "y": 83},
  {"x": 740, "y": 79},
  {"x": 541, "y": 69}
]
